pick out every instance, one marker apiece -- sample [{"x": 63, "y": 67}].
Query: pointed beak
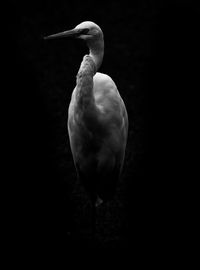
[{"x": 70, "y": 33}]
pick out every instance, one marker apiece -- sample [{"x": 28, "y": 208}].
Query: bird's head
[{"x": 88, "y": 31}]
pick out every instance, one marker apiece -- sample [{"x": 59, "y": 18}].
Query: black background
[{"x": 151, "y": 51}]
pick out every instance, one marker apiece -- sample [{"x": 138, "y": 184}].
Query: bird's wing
[
  {"x": 112, "y": 111},
  {"x": 112, "y": 115}
]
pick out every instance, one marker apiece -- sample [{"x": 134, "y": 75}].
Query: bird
[{"x": 97, "y": 119}]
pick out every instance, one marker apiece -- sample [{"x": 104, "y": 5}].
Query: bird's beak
[{"x": 70, "y": 33}]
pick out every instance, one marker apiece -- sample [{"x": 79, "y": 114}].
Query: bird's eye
[{"x": 84, "y": 31}]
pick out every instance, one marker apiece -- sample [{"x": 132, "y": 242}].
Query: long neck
[
  {"x": 84, "y": 82},
  {"x": 88, "y": 68},
  {"x": 96, "y": 48}
]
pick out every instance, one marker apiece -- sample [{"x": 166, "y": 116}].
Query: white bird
[{"x": 97, "y": 119}]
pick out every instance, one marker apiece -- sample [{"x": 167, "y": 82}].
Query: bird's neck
[
  {"x": 88, "y": 68},
  {"x": 96, "y": 51},
  {"x": 84, "y": 80}
]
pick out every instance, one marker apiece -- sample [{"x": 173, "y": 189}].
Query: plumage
[{"x": 97, "y": 119}]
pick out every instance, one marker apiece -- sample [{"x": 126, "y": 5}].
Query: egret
[{"x": 97, "y": 119}]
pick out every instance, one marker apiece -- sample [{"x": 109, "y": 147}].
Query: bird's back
[{"x": 97, "y": 125}]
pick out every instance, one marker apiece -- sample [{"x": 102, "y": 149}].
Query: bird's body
[
  {"x": 97, "y": 125},
  {"x": 97, "y": 119}
]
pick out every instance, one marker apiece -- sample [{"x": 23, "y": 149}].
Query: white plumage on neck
[{"x": 96, "y": 48}]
